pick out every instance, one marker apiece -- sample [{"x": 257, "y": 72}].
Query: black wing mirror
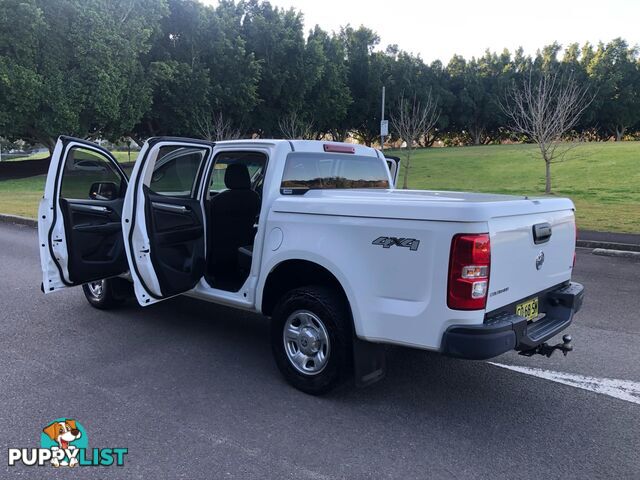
[{"x": 103, "y": 191}]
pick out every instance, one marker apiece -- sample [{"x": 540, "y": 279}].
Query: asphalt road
[{"x": 191, "y": 390}]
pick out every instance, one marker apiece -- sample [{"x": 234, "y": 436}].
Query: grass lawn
[
  {"x": 120, "y": 156},
  {"x": 35, "y": 156},
  {"x": 22, "y": 196},
  {"x": 603, "y": 179}
]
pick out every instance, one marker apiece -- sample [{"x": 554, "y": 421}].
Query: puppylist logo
[{"x": 64, "y": 443}]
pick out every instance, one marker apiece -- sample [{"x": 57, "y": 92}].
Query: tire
[
  {"x": 320, "y": 339},
  {"x": 107, "y": 294}
]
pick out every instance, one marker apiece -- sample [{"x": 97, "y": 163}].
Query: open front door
[
  {"x": 79, "y": 219},
  {"x": 164, "y": 222},
  {"x": 394, "y": 167}
]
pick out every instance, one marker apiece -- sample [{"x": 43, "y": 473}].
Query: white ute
[{"x": 314, "y": 235}]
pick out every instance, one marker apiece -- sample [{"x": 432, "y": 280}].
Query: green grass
[
  {"x": 603, "y": 179},
  {"x": 120, "y": 156},
  {"x": 22, "y": 196},
  {"x": 35, "y": 156}
]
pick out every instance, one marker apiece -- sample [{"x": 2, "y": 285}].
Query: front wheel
[
  {"x": 107, "y": 294},
  {"x": 311, "y": 339}
]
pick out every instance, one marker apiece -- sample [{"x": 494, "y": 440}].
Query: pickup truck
[{"x": 314, "y": 235}]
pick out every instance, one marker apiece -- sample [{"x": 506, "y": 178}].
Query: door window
[
  {"x": 176, "y": 171},
  {"x": 89, "y": 174},
  {"x": 254, "y": 161}
]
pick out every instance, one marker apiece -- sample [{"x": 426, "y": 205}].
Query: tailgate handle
[{"x": 541, "y": 233}]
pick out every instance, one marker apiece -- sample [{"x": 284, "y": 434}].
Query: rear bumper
[{"x": 504, "y": 330}]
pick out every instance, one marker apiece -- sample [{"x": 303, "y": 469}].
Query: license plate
[{"x": 528, "y": 309}]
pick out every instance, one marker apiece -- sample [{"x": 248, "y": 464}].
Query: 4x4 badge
[
  {"x": 540, "y": 260},
  {"x": 387, "y": 242}
]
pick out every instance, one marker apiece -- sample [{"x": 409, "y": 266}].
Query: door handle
[
  {"x": 90, "y": 208},
  {"x": 168, "y": 207}
]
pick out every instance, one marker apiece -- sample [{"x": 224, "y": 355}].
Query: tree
[
  {"x": 413, "y": 121},
  {"x": 73, "y": 66},
  {"x": 293, "y": 125},
  {"x": 367, "y": 72},
  {"x": 178, "y": 76},
  {"x": 214, "y": 127},
  {"x": 544, "y": 108},
  {"x": 234, "y": 71},
  {"x": 573, "y": 65},
  {"x": 327, "y": 96},
  {"x": 198, "y": 65},
  {"x": 408, "y": 73},
  {"x": 139, "y": 68},
  {"x": 615, "y": 72},
  {"x": 476, "y": 86},
  {"x": 276, "y": 39},
  {"x": 20, "y": 82}
]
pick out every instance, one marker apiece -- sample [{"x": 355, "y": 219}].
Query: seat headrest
[{"x": 236, "y": 177}]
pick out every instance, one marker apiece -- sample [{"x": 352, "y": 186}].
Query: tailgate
[{"x": 520, "y": 267}]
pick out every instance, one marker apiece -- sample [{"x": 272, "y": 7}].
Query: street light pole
[{"x": 381, "y": 122}]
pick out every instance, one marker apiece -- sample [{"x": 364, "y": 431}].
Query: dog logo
[
  {"x": 64, "y": 443},
  {"x": 65, "y": 433},
  {"x": 540, "y": 260}
]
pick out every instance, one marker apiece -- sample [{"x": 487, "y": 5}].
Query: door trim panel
[
  {"x": 147, "y": 295},
  {"x": 57, "y": 225}
]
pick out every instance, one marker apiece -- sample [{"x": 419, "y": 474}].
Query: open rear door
[
  {"x": 79, "y": 219},
  {"x": 164, "y": 222},
  {"x": 394, "y": 167}
]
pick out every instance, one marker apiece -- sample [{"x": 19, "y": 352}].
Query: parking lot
[{"x": 191, "y": 390}]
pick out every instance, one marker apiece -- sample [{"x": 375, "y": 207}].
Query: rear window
[{"x": 313, "y": 171}]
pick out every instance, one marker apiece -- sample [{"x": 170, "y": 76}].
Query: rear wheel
[
  {"x": 311, "y": 339},
  {"x": 107, "y": 294}
]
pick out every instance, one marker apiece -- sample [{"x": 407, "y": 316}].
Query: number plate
[{"x": 528, "y": 309}]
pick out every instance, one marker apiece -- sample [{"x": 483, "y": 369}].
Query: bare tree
[
  {"x": 412, "y": 122},
  {"x": 545, "y": 110},
  {"x": 216, "y": 128},
  {"x": 294, "y": 126}
]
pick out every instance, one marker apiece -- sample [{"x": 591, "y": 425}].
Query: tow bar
[{"x": 547, "y": 350}]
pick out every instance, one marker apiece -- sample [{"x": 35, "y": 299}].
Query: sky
[{"x": 437, "y": 30}]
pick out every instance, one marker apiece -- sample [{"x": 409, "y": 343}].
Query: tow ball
[{"x": 547, "y": 350}]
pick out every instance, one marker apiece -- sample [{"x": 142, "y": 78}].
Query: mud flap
[{"x": 369, "y": 362}]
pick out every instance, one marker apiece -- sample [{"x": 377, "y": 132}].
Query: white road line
[{"x": 621, "y": 389}]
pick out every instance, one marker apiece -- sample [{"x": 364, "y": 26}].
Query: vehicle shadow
[
  {"x": 415, "y": 378},
  {"x": 211, "y": 366}
]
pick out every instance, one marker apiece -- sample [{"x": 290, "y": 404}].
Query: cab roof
[{"x": 306, "y": 145}]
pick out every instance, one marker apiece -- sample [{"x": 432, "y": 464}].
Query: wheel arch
[{"x": 297, "y": 272}]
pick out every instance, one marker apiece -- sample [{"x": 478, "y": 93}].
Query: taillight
[{"x": 469, "y": 271}]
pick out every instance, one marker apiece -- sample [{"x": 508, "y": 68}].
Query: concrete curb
[
  {"x": 18, "y": 220},
  {"x": 626, "y": 247},
  {"x": 616, "y": 253}
]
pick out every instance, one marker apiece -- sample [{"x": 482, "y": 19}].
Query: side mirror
[{"x": 103, "y": 191}]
